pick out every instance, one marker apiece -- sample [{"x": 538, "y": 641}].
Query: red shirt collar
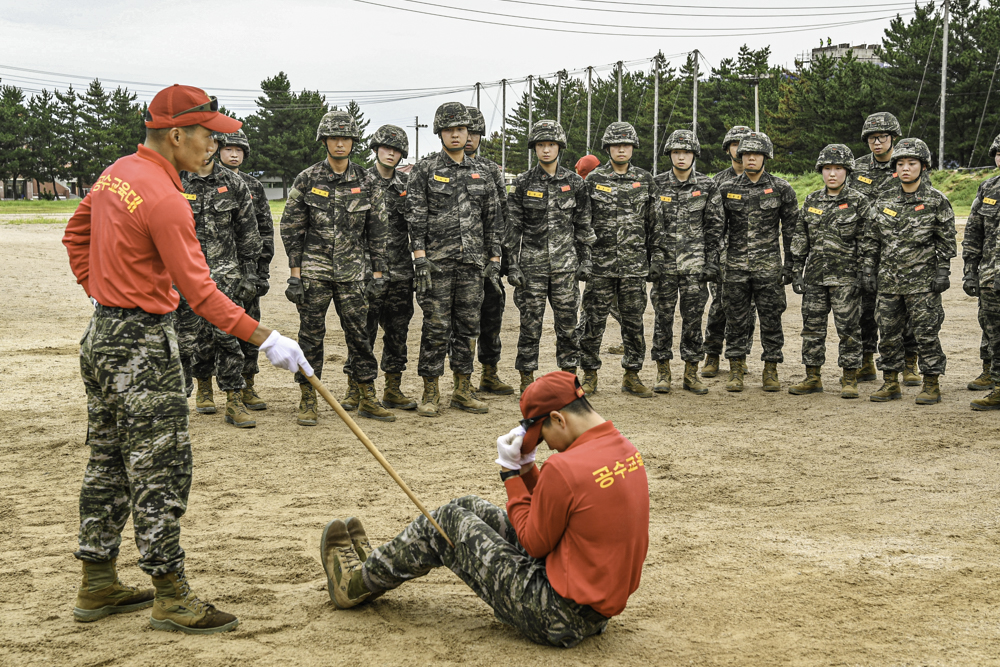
[
  {"x": 607, "y": 428},
  {"x": 153, "y": 156}
]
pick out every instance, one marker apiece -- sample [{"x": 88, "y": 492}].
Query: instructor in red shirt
[
  {"x": 131, "y": 238},
  {"x": 563, "y": 558}
]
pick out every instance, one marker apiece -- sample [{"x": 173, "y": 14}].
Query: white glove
[
  {"x": 285, "y": 353},
  {"x": 529, "y": 457},
  {"x": 509, "y": 448}
]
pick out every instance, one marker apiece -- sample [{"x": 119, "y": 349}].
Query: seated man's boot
[
  {"x": 176, "y": 609},
  {"x": 430, "y": 402},
  {"x": 102, "y": 593},
  {"x": 849, "y": 383},
  {"x": 631, "y": 384},
  {"x": 249, "y": 396},
  {"x": 589, "y": 383},
  {"x": 491, "y": 383},
  {"x": 362, "y": 546},
  {"x": 770, "y": 377},
  {"x": 369, "y": 407},
  {"x": 691, "y": 381},
  {"x": 204, "y": 399},
  {"x": 711, "y": 367},
  {"x": 463, "y": 399},
  {"x": 527, "y": 377},
  {"x": 352, "y": 397},
  {"x": 337, "y": 552},
  {"x": 663, "y": 378},
  {"x": 308, "y": 406},
  {"x": 985, "y": 380},
  {"x": 737, "y": 369},
  {"x": 236, "y": 412},
  {"x": 931, "y": 392},
  {"x": 868, "y": 372},
  {"x": 910, "y": 376},
  {"x": 889, "y": 391},
  {"x": 813, "y": 384},
  {"x": 393, "y": 396}
]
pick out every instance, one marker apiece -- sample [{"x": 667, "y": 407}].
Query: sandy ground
[{"x": 784, "y": 530}]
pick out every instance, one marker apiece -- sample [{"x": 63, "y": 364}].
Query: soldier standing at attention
[
  {"x": 333, "y": 218},
  {"x": 757, "y": 204},
  {"x": 549, "y": 248},
  {"x": 455, "y": 222},
  {"x": 233, "y": 150},
  {"x": 825, "y": 243},
  {"x": 686, "y": 258},
  {"x": 909, "y": 246}
]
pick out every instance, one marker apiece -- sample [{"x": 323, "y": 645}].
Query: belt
[
  {"x": 588, "y": 614},
  {"x": 137, "y": 314}
]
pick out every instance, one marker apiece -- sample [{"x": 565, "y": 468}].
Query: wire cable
[{"x": 618, "y": 10}]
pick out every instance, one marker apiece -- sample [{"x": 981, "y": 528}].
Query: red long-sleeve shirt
[
  {"x": 133, "y": 236},
  {"x": 587, "y": 514}
]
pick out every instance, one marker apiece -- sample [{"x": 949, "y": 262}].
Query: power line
[
  {"x": 618, "y": 10},
  {"x": 643, "y": 4}
]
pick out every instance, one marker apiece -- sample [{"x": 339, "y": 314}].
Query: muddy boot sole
[{"x": 169, "y": 626}]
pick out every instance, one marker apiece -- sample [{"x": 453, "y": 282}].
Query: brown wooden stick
[{"x": 351, "y": 424}]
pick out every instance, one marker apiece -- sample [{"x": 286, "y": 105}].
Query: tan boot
[
  {"x": 369, "y": 407},
  {"x": 204, "y": 400},
  {"x": 491, "y": 383},
  {"x": 337, "y": 552},
  {"x": 249, "y": 396},
  {"x": 393, "y": 396},
  {"x": 631, "y": 384},
  {"x": 616, "y": 349},
  {"x": 236, "y": 412},
  {"x": 985, "y": 380},
  {"x": 569, "y": 369},
  {"x": 589, "y": 383},
  {"x": 177, "y": 609},
  {"x": 770, "y": 377},
  {"x": 102, "y": 593},
  {"x": 663, "y": 378},
  {"x": 308, "y": 407},
  {"x": 868, "y": 372},
  {"x": 889, "y": 391},
  {"x": 711, "y": 368},
  {"x": 362, "y": 545},
  {"x": 462, "y": 398},
  {"x": 989, "y": 402},
  {"x": 352, "y": 397},
  {"x": 931, "y": 393},
  {"x": 737, "y": 369},
  {"x": 910, "y": 376},
  {"x": 431, "y": 400},
  {"x": 691, "y": 381},
  {"x": 849, "y": 383},
  {"x": 527, "y": 377},
  {"x": 813, "y": 384}
]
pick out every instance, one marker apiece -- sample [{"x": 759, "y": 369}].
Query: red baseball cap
[
  {"x": 551, "y": 392},
  {"x": 180, "y": 106},
  {"x": 586, "y": 164}
]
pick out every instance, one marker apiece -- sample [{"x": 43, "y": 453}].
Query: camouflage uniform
[
  {"x": 140, "y": 450},
  {"x": 490, "y": 559},
  {"x": 979, "y": 250},
  {"x": 265, "y": 226},
  {"x": 491, "y": 312},
  {"x": 550, "y": 234},
  {"x": 227, "y": 229},
  {"x": 692, "y": 219}
]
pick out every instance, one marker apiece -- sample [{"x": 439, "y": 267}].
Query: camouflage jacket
[
  {"x": 550, "y": 229},
  {"x": 909, "y": 239},
  {"x": 453, "y": 210},
  {"x": 496, "y": 173},
  {"x": 333, "y": 222},
  {"x": 692, "y": 219},
  {"x": 754, "y": 213},
  {"x": 397, "y": 250},
  {"x": 873, "y": 178},
  {"x": 625, "y": 214},
  {"x": 979, "y": 247},
  {"x": 725, "y": 176},
  {"x": 827, "y": 238},
  {"x": 224, "y": 222},
  {"x": 265, "y": 224}
]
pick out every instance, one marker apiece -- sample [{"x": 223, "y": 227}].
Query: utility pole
[
  {"x": 477, "y": 96},
  {"x": 590, "y": 93},
  {"x": 619, "y": 66},
  {"x": 503, "y": 129},
  {"x": 944, "y": 85},
  {"x": 694, "y": 114},
  {"x": 416, "y": 126},
  {"x": 561, "y": 75},
  {"x": 656, "y": 109},
  {"x": 754, "y": 80},
  {"x": 531, "y": 104}
]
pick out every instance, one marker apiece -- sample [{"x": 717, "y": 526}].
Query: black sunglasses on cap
[
  {"x": 528, "y": 423},
  {"x": 211, "y": 105}
]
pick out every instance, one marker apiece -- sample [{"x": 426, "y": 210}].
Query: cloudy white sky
[{"x": 347, "y": 47}]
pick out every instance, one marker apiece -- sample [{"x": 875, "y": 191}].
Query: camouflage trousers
[
  {"x": 984, "y": 316},
  {"x": 581, "y": 323},
  {"x": 251, "y": 351},
  {"x": 208, "y": 351},
  {"x": 925, "y": 315},
  {"x": 562, "y": 292},
  {"x": 845, "y": 302},
  {"x": 352, "y": 308},
  {"x": 766, "y": 295},
  {"x": 394, "y": 312},
  {"x": 989, "y": 320},
  {"x": 597, "y": 300},
  {"x": 715, "y": 323},
  {"x": 451, "y": 309},
  {"x": 186, "y": 324},
  {"x": 490, "y": 321},
  {"x": 869, "y": 329},
  {"x": 693, "y": 296},
  {"x": 137, "y": 430},
  {"x": 490, "y": 560}
]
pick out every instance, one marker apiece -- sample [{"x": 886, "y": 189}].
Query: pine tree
[
  {"x": 361, "y": 154},
  {"x": 72, "y": 136},
  {"x": 125, "y": 120},
  {"x": 45, "y": 151},
  {"x": 13, "y": 130}
]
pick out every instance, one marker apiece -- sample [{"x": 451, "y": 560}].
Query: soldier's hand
[
  {"x": 710, "y": 273},
  {"x": 263, "y": 287},
  {"x": 868, "y": 280},
  {"x": 971, "y": 284},
  {"x": 942, "y": 281},
  {"x": 295, "y": 292},
  {"x": 584, "y": 271},
  {"x": 799, "y": 284},
  {"x": 655, "y": 272},
  {"x": 423, "y": 268},
  {"x": 787, "y": 275},
  {"x": 375, "y": 289},
  {"x": 492, "y": 273},
  {"x": 515, "y": 277},
  {"x": 246, "y": 290}
]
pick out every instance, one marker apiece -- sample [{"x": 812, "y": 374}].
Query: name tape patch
[
  {"x": 321, "y": 193},
  {"x": 865, "y": 180},
  {"x": 603, "y": 188},
  {"x": 566, "y": 188},
  {"x": 223, "y": 189},
  {"x": 844, "y": 206},
  {"x": 535, "y": 194},
  {"x": 889, "y": 212},
  {"x": 442, "y": 179},
  {"x": 474, "y": 175},
  {"x": 663, "y": 198},
  {"x": 768, "y": 191},
  {"x": 355, "y": 191},
  {"x": 733, "y": 195},
  {"x": 987, "y": 200},
  {"x": 817, "y": 211},
  {"x": 918, "y": 208},
  {"x": 696, "y": 193},
  {"x": 190, "y": 197},
  {"x": 637, "y": 184}
]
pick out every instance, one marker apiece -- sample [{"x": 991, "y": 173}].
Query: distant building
[{"x": 863, "y": 52}]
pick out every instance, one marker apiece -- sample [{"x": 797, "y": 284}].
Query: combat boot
[
  {"x": 589, "y": 383},
  {"x": 931, "y": 393},
  {"x": 527, "y": 377},
  {"x": 691, "y": 381},
  {"x": 462, "y": 398},
  {"x": 362, "y": 546},
  {"x": 491, "y": 383},
  {"x": 711, "y": 367},
  {"x": 352, "y": 397},
  {"x": 308, "y": 407},
  {"x": 569, "y": 369},
  {"x": 204, "y": 400},
  {"x": 369, "y": 406},
  {"x": 339, "y": 556},
  {"x": 631, "y": 384},
  {"x": 102, "y": 593},
  {"x": 813, "y": 384},
  {"x": 177, "y": 609},
  {"x": 393, "y": 396},
  {"x": 616, "y": 349},
  {"x": 985, "y": 380},
  {"x": 770, "y": 377},
  {"x": 249, "y": 396},
  {"x": 236, "y": 412},
  {"x": 868, "y": 372},
  {"x": 889, "y": 391},
  {"x": 737, "y": 369},
  {"x": 910, "y": 376},
  {"x": 430, "y": 401},
  {"x": 989, "y": 402},
  {"x": 663, "y": 377},
  {"x": 849, "y": 383}
]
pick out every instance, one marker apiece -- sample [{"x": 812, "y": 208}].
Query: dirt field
[{"x": 784, "y": 530}]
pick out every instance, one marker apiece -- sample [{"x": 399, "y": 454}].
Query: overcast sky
[{"x": 347, "y": 45}]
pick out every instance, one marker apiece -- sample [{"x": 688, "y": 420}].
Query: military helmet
[
  {"x": 755, "y": 142},
  {"x": 478, "y": 124},
  {"x": 735, "y": 133},
  {"x": 995, "y": 147},
  {"x": 835, "y": 154},
  {"x": 237, "y": 138},
  {"x": 338, "y": 123},
  {"x": 547, "y": 130},
  {"x": 619, "y": 132},
  {"x": 451, "y": 114},
  {"x": 683, "y": 140},
  {"x": 914, "y": 148},
  {"x": 883, "y": 121},
  {"x": 392, "y": 136}
]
